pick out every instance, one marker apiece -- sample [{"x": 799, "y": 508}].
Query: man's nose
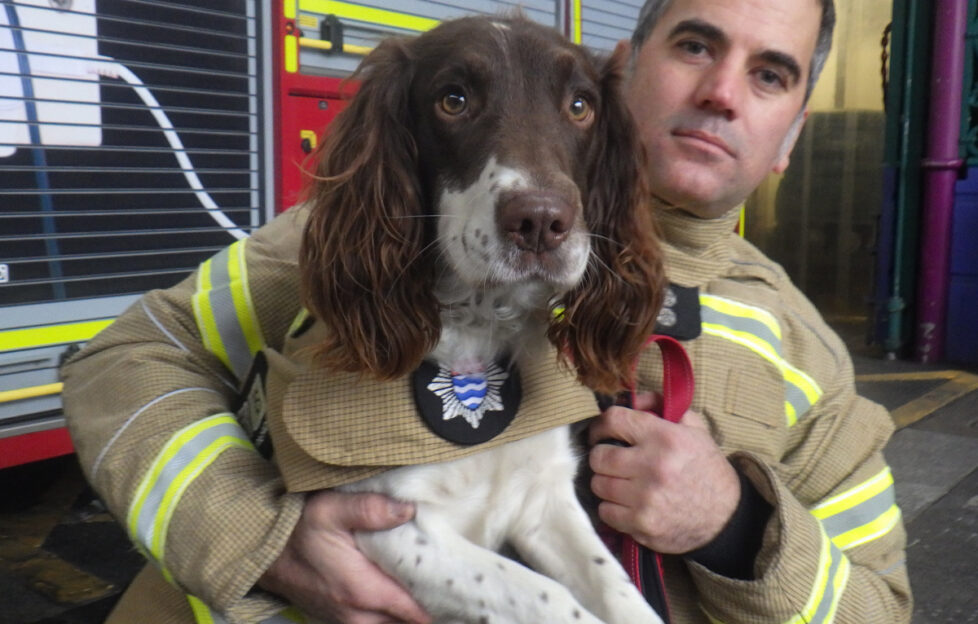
[{"x": 721, "y": 90}]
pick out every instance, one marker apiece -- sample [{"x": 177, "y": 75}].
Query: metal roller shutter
[
  {"x": 130, "y": 151},
  {"x": 603, "y": 24}
]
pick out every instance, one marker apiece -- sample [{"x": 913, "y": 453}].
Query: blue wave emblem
[{"x": 470, "y": 390}]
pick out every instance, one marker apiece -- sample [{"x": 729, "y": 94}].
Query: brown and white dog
[{"x": 480, "y": 194}]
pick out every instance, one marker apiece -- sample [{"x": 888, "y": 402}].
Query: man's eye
[
  {"x": 696, "y": 48},
  {"x": 770, "y": 78}
]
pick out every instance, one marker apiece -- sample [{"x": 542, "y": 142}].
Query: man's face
[{"x": 718, "y": 92}]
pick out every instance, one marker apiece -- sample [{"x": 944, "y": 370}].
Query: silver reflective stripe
[
  {"x": 183, "y": 458},
  {"x": 835, "y": 584},
  {"x": 226, "y": 314},
  {"x": 758, "y": 330},
  {"x": 861, "y": 514},
  {"x": 739, "y": 323}
]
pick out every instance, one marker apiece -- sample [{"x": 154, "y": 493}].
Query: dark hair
[{"x": 652, "y": 10}]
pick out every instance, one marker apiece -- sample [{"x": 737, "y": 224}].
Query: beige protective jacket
[{"x": 149, "y": 405}]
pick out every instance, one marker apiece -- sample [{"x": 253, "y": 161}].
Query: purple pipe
[{"x": 941, "y": 165}]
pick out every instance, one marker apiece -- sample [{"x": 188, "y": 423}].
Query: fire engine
[{"x": 139, "y": 138}]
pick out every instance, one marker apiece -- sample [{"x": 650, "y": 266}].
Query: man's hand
[
  {"x": 672, "y": 489},
  {"x": 322, "y": 572}
]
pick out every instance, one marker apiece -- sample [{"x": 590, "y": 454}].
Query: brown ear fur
[
  {"x": 361, "y": 262},
  {"x": 607, "y": 317}
]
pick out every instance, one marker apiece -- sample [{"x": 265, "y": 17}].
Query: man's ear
[{"x": 784, "y": 157}]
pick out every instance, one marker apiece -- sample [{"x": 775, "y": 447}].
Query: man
[
  {"x": 792, "y": 516},
  {"x": 718, "y": 88}
]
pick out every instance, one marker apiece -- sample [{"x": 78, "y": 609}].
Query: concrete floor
[{"x": 64, "y": 561}]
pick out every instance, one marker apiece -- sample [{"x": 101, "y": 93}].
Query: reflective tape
[
  {"x": 861, "y": 514},
  {"x": 224, "y": 310},
  {"x": 181, "y": 460},
  {"x": 50, "y": 335},
  {"x": 756, "y": 329},
  {"x": 834, "y": 569},
  {"x": 205, "y": 615},
  {"x": 830, "y": 583}
]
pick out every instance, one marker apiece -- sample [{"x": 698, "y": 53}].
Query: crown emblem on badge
[{"x": 469, "y": 395}]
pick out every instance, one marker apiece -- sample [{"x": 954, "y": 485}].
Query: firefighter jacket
[{"x": 152, "y": 407}]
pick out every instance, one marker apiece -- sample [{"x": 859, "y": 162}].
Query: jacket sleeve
[
  {"x": 148, "y": 403},
  {"x": 834, "y": 547}
]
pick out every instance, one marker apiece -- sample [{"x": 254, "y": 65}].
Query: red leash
[{"x": 677, "y": 395}]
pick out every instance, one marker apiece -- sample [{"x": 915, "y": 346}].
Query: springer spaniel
[{"x": 480, "y": 194}]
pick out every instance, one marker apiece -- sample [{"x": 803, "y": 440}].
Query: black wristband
[{"x": 733, "y": 551}]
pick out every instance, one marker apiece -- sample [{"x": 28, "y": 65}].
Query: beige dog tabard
[{"x": 330, "y": 428}]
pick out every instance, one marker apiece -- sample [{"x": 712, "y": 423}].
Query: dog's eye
[
  {"x": 453, "y": 103},
  {"x": 579, "y": 109}
]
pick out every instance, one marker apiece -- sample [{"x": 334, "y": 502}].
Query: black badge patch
[
  {"x": 467, "y": 409},
  {"x": 679, "y": 317},
  {"x": 252, "y": 408}
]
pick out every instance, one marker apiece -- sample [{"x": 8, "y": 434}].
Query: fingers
[
  {"x": 377, "y": 598},
  {"x": 322, "y": 571},
  {"x": 694, "y": 419},
  {"x": 612, "y": 461},
  {"x": 359, "y": 512},
  {"x": 618, "y": 517},
  {"x": 620, "y": 423},
  {"x": 647, "y": 402}
]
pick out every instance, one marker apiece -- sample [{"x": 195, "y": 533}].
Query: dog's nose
[{"x": 536, "y": 222}]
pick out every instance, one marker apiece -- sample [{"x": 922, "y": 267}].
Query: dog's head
[{"x": 495, "y": 151}]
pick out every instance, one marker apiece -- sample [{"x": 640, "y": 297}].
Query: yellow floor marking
[{"x": 958, "y": 384}]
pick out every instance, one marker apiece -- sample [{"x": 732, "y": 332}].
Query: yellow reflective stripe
[
  {"x": 300, "y": 318},
  {"x": 184, "y": 456},
  {"x": 205, "y": 615},
  {"x": 288, "y": 7},
  {"x": 578, "y": 20},
  {"x": 34, "y": 337},
  {"x": 224, "y": 310},
  {"x": 291, "y": 54},
  {"x": 204, "y": 313},
  {"x": 241, "y": 295},
  {"x": 804, "y": 383},
  {"x": 833, "y": 574},
  {"x": 861, "y": 514},
  {"x": 737, "y": 308},
  {"x": 830, "y": 583},
  {"x": 745, "y": 339},
  {"x": 368, "y": 14},
  {"x": 759, "y": 331},
  {"x": 202, "y": 613},
  {"x": 850, "y": 498},
  {"x": 790, "y": 414},
  {"x": 183, "y": 481},
  {"x": 870, "y": 531}
]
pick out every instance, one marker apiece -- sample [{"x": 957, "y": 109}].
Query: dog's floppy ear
[
  {"x": 607, "y": 317},
  {"x": 360, "y": 262}
]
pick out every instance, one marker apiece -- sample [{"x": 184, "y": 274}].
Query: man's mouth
[{"x": 708, "y": 138}]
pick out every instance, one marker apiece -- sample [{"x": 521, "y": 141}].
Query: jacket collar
[{"x": 696, "y": 248}]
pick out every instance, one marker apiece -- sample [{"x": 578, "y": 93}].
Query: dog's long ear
[
  {"x": 608, "y": 316},
  {"x": 360, "y": 261}
]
